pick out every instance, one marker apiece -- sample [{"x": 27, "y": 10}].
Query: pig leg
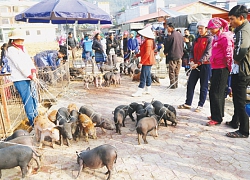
[
  {"x": 24, "y": 169},
  {"x": 123, "y": 122},
  {"x": 144, "y": 138},
  {"x": 68, "y": 143},
  {"x": 109, "y": 173},
  {"x": 86, "y": 137},
  {"x": 53, "y": 143},
  {"x": 103, "y": 130},
  {"x": 138, "y": 139},
  {"x": 61, "y": 140},
  {"x": 165, "y": 121},
  {"x": 37, "y": 134},
  {"x": 80, "y": 167},
  {"x": 41, "y": 140}
]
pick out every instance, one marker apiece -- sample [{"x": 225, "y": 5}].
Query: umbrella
[{"x": 64, "y": 12}]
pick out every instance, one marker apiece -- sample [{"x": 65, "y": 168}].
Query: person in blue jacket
[{"x": 133, "y": 46}]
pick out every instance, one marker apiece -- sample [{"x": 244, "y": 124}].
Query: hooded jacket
[
  {"x": 242, "y": 49},
  {"x": 222, "y": 51}
]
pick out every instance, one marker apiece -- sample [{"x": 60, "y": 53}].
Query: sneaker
[{"x": 198, "y": 109}]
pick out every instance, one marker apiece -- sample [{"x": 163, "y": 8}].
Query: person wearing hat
[
  {"x": 240, "y": 74},
  {"x": 200, "y": 64},
  {"x": 147, "y": 60},
  {"x": 221, "y": 63},
  {"x": 111, "y": 49},
  {"x": 173, "y": 48},
  {"x": 23, "y": 73}
]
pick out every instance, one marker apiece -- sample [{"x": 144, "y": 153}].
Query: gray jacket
[{"x": 242, "y": 49}]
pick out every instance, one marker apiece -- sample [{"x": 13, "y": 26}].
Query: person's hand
[
  {"x": 236, "y": 62},
  {"x": 193, "y": 65},
  {"x": 139, "y": 65},
  {"x": 35, "y": 79}
]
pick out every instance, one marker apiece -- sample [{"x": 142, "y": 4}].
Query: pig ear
[{"x": 88, "y": 149}]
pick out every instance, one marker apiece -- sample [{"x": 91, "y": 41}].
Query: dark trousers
[
  {"x": 239, "y": 87},
  {"x": 217, "y": 93},
  {"x": 145, "y": 77},
  {"x": 112, "y": 59},
  {"x": 203, "y": 73},
  {"x": 174, "y": 70}
]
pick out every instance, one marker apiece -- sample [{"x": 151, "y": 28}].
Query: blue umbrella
[{"x": 64, "y": 12}]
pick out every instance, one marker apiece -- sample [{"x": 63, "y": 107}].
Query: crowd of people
[{"x": 217, "y": 54}]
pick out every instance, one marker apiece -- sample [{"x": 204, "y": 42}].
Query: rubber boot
[
  {"x": 147, "y": 90},
  {"x": 138, "y": 92}
]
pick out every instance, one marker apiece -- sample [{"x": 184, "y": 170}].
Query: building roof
[
  {"x": 148, "y": 16},
  {"x": 172, "y": 13},
  {"x": 142, "y": 1},
  {"x": 178, "y": 8}
]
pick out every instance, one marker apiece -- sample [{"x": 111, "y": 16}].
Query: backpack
[{"x": 87, "y": 46}]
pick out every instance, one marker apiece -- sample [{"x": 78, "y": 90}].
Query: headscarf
[
  {"x": 218, "y": 23},
  {"x": 134, "y": 33}
]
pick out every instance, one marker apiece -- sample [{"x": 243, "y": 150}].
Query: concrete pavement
[{"x": 190, "y": 150}]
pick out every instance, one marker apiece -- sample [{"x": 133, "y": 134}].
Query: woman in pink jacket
[{"x": 221, "y": 60}]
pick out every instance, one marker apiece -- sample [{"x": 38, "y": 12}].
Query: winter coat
[
  {"x": 201, "y": 50},
  {"x": 222, "y": 51},
  {"x": 97, "y": 46},
  {"x": 173, "y": 46},
  {"x": 71, "y": 42},
  {"x": 242, "y": 49},
  {"x": 147, "y": 52},
  {"x": 133, "y": 44},
  {"x": 111, "y": 44},
  {"x": 20, "y": 63}
]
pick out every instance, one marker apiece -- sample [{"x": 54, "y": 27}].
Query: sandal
[
  {"x": 236, "y": 134},
  {"x": 230, "y": 123},
  {"x": 184, "y": 106},
  {"x": 213, "y": 123}
]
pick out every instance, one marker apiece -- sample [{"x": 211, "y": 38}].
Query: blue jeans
[
  {"x": 145, "y": 77},
  {"x": 204, "y": 74},
  {"x": 29, "y": 98}
]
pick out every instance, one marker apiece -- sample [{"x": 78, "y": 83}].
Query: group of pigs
[
  {"x": 70, "y": 123},
  {"x": 149, "y": 116},
  {"x": 62, "y": 124}
]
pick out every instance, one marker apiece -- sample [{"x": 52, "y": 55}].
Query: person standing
[
  {"x": 221, "y": 63},
  {"x": 72, "y": 44},
  {"x": 99, "y": 52},
  {"x": 3, "y": 53},
  {"x": 133, "y": 46},
  {"x": 240, "y": 81},
  {"x": 147, "y": 60},
  {"x": 23, "y": 73},
  {"x": 111, "y": 50},
  {"x": 200, "y": 65},
  {"x": 125, "y": 46},
  {"x": 173, "y": 48}
]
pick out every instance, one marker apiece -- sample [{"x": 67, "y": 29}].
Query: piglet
[
  {"x": 146, "y": 125},
  {"x": 87, "y": 127},
  {"x": 17, "y": 155},
  {"x": 104, "y": 155},
  {"x": 18, "y": 133}
]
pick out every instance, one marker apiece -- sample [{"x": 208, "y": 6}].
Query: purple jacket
[{"x": 222, "y": 51}]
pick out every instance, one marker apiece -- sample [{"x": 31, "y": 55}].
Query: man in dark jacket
[
  {"x": 173, "y": 48},
  {"x": 72, "y": 44},
  {"x": 111, "y": 49},
  {"x": 240, "y": 79}
]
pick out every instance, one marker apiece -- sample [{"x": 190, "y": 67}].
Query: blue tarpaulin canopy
[{"x": 64, "y": 12}]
